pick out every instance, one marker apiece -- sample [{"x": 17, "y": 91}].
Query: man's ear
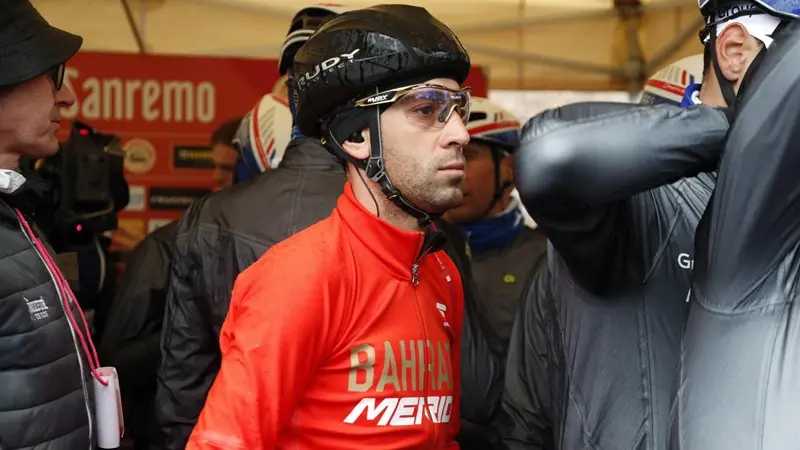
[
  {"x": 731, "y": 51},
  {"x": 356, "y": 149}
]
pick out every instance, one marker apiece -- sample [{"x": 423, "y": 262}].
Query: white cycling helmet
[
  {"x": 669, "y": 84},
  {"x": 263, "y": 136},
  {"x": 490, "y": 123}
]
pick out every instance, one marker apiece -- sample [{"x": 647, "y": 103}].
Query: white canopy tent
[{"x": 595, "y": 45}]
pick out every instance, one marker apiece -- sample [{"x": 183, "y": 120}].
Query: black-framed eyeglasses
[
  {"x": 430, "y": 105},
  {"x": 57, "y": 75}
]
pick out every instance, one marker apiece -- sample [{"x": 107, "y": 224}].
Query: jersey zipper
[
  {"x": 84, "y": 386},
  {"x": 426, "y": 350}
]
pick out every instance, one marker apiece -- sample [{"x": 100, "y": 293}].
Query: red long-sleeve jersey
[{"x": 345, "y": 336}]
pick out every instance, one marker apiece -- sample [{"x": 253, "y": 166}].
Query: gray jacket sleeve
[
  {"x": 753, "y": 221},
  {"x": 133, "y": 326},
  {"x": 190, "y": 357},
  {"x": 579, "y": 165}
]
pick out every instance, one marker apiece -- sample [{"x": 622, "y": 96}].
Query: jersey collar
[
  {"x": 395, "y": 248},
  {"x": 691, "y": 95}
]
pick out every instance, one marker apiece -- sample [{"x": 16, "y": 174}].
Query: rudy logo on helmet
[{"x": 325, "y": 66}]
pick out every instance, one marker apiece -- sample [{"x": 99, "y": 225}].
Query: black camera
[{"x": 87, "y": 187}]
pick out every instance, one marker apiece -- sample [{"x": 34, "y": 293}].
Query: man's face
[
  {"x": 224, "y": 158},
  {"x": 479, "y": 185},
  {"x": 30, "y": 113},
  {"x": 425, "y": 163}
]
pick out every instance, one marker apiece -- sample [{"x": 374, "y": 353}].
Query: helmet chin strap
[
  {"x": 728, "y": 93},
  {"x": 376, "y": 171},
  {"x": 499, "y": 185}
]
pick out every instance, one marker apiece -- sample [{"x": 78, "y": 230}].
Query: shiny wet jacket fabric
[
  {"x": 594, "y": 356},
  {"x": 740, "y": 377}
]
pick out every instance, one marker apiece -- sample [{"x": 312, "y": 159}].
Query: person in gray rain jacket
[
  {"x": 740, "y": 374},
  {"x": 618, "y": 189}
]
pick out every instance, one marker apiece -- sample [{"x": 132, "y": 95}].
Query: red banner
[{"x": 164, "y": 109}]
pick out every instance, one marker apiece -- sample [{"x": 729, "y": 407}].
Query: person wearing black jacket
[
  {"x": 503, "y": 251},
  {"x": 618, "y": 189},
  {"x": 533, "y": 377},
  {"x": 132, "y": 341},
  {"x": 46, "y": 395},
  {"x": 525, "y": 420},
  {"x": 503, "y": 248},
  {"x": 740, "y": 374}
]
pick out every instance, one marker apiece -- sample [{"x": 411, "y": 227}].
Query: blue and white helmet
[
  {"x": 669, "y": 84},
  {"x": 760, "y": 17},
  {"x": 785, "y": 9},
  {"x": 263, "y": 136}
]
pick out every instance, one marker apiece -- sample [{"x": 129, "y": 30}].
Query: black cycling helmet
[
  {"x": 377, "y": 47},
  {"x": 720, "y": 11},
  {"x": 361, "y": 53},
  {"x": 304, "y": 24}
]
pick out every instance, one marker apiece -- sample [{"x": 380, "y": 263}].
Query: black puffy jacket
[
  {"x": 223, "y": 234},
  {"x": 740, "y": 377},
  {"x": 45, "y": 398},
  {"x": 606, "y": 183}
]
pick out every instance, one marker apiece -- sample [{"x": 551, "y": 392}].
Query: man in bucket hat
[
  {"x": 32, "y": 57},
  {"x": 45, "y": 399}
]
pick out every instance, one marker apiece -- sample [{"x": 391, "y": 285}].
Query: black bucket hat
[{"x": 29, "y": 46}]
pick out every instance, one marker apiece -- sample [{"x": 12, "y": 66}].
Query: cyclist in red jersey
[{"x": 347, "y": 335}]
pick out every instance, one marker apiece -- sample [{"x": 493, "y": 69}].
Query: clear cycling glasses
[{"x": 429, "y": 105}]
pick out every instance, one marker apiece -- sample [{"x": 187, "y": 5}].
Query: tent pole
[
  {"x": 554, "y": 19},
  {"x": 546, "y": 60},
  {"x": 132, "y": 23},
  {"x": 630, "y": 13}
]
